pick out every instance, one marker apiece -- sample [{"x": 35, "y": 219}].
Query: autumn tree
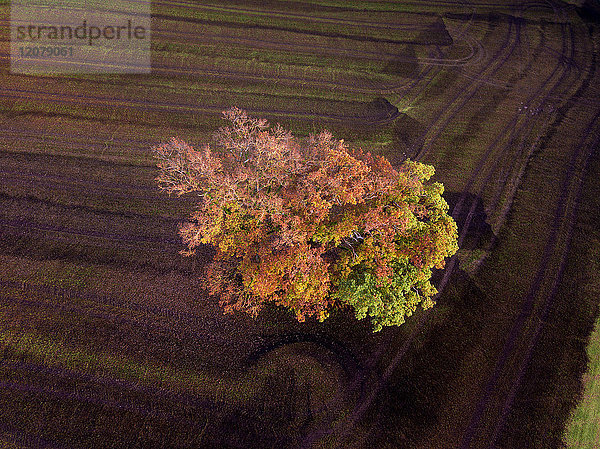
[{"x": 309, "y": 224}]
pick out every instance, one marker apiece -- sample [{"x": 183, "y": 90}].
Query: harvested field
[{"x": 108, "y": 335}]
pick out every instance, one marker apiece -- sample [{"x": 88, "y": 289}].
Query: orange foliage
[{"x": 296, "y": 223}]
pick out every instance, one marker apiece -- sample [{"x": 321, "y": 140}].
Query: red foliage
[{"x": 290, "y": 219}]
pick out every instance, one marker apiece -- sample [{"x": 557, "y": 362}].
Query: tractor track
[
  {"x": 19, "y": 438},
  {"x": 31, "y": 225},
  {"x": 166, "y": 70},
  {"x": 458, "y": 208},
  {"x": 149, "y": 192},
  {"x": 512, "y": 130},
  {"x": 424, "y": 142},
  {"x": 354, "y": 86},
  {"x": 547, "y": 305},
  {"x": 516, "y": 332},
  {"x": 456, "y": 211},
  {"x": 79, "y": 208},
  {"x": 567, "y": 69},
  {"x": 369, "y": 393},
  {"x": 288, "y": 15},
  {"x": 116, "y": 190},
  {"x": 412, "y": 94},
  {"x": 144, "y": 324},
  {"x": 564, "y": 216}
]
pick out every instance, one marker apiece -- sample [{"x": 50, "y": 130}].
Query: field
[{"x": 107, "y": 334}]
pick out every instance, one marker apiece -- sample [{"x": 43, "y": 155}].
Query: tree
[{"x": 309, "y": 224}]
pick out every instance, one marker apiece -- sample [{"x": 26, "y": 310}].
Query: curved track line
[
  {"x": 390, "y": 368},
  {"x": 516, "y": 330},
  {"x": 424, "y": 141},
  {"x": 368, "y": 398},
  {"x": 561, "y": 211}
]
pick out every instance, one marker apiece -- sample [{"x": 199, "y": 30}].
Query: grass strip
[{"x": 583, "y": 430}]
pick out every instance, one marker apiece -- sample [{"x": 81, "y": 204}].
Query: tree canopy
[{"x": 309, "y": 224}]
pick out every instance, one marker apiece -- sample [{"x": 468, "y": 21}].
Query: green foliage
[
  {"x": 310, "y": 225},
  {"x": 386, "y": 302}
]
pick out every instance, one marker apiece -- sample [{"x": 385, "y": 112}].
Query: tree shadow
[
  {"x": 405, "y": 134},
  {"x": 411, "y": 402},
  {"x": 589, "y": 11},
  {"x": 405, "y": 65},
  {"x": 408, "y": 409},
  {"x": 472, "y": 214}
]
